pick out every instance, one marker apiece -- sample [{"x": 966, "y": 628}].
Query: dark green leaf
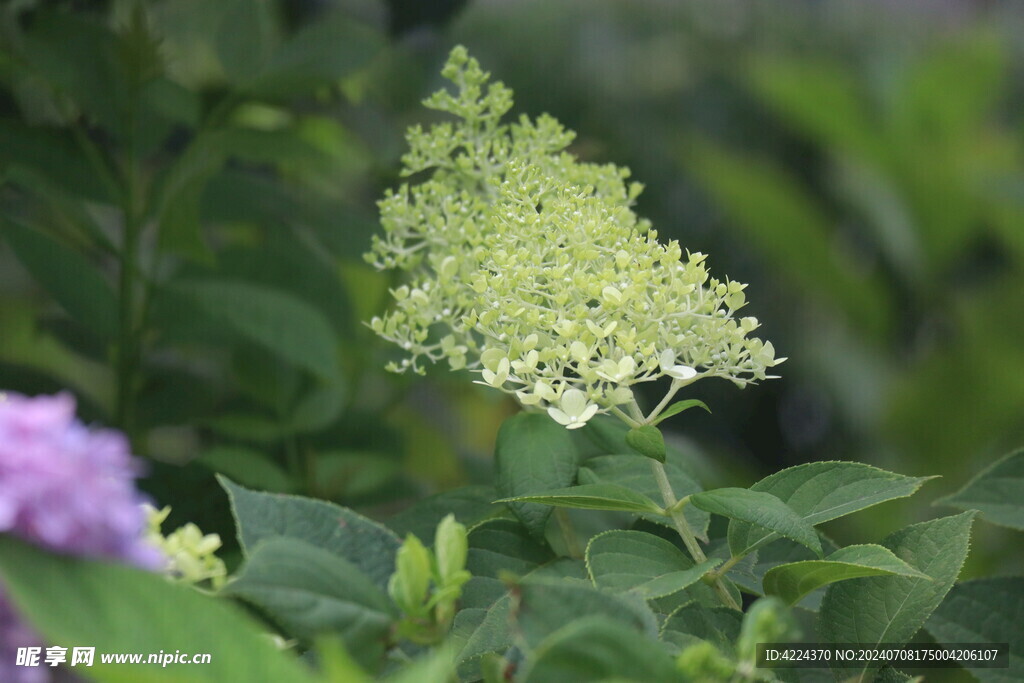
[
  {"x": 643, "y": 563},
  {"x": 997, "y": 492},
  {"x": 599, "y": 648},
  {"x": 760, "y": 509},
  {"x": 592, "y": 497},
  {"x": 248, "y": 467},
  {"x": 498, "y": 547},
  {"x": 75, "y": 283},
  {"x": 635, "y": 473},
  {"x": 694, "y": 622},
  {"x": 309, "y": 591},
  {"x": 984, "y": 611},
  {"x": 822, "y": 491},
  {"x": 533, "y": 454},
  {"x": 891, "y": 609},
  {"x": 793, "y": 581},
  {"x": 471, "y": 506},
  {"x": 365, "y": 543},
  {"x": 279, "y": 322},
  {"x": 542, "y": 606},
  {"x": 121, "y": 609}
]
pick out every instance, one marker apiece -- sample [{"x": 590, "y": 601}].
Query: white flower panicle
[{"x": 531, "y": 268}]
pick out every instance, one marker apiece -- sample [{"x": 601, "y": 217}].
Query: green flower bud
[
  {"x": 451, "y": 546},
  {"x": 410, "y": 583}
]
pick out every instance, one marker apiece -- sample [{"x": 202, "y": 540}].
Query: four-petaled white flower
[
  {"x": 575, "y": 410},
  {"x": 497, "y": 378}
]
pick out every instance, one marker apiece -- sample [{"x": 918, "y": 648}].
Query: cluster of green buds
[
  {"x": 531, "y": 268},
  {"x": 190, "y": 552},
  {"x": 426, "y": 586}
]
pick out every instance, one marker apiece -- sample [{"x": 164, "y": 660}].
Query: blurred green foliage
[{"x": 186, "y": 189}]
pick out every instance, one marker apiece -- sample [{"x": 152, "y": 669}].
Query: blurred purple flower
[{"x": 69, "y": 489}]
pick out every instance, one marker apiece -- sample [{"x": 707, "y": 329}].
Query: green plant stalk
[{"x": 685, "y": 533}]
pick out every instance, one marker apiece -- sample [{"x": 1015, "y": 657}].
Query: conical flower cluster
[{"x": 531, "y": 268}]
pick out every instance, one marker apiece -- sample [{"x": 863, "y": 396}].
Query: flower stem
[{"x": 685, "y": 533}]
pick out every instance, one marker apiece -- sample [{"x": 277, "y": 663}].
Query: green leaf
[
  {"x": 642, "y": 563},
  {"x": 793, "y": 581},
  {"x": 260, "y": 516},
  {"x": 984, "y": 611},
  {"x": 533, "y": 454},
  {"x": 592, "y": 497},
  {"x": 997, "y": 492},
  {"x": 822, "y": 491},
  {"x": 635, "y": 473},
  {"x": 248, "y": 467},
  {"x": 471, "y": 505},
  {"x": 309, "y": 591},
  {"x": 115, "y": 608},
  {"x": 318, "y": 409},
  {"x": 279, "y": 322},
  {"x": 761, "y": 509},
  {"x": 496, "y": 548},
  {"x": 680, "y": 406},
  {"x": 322, "y": 53},
  {"x": 694, "y": 622},
  {"x": 647, "y": 441},
  {"x": 542, "y": 606},
  {"x": 75, "y": 283},
  {"x": 53, "y": 155},
  {"x": 489, "y": 631},
  {"x": 246, "y": 39},
  {"x": 891, "y": 609},
  {"x": 599, "y": 648}
]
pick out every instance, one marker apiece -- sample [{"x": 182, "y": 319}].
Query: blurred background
[{"x": 187, "y": 188}]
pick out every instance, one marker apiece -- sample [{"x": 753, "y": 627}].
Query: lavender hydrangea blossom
[{"x": 69, "y": 489}]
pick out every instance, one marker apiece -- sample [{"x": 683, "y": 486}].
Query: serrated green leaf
[
  {"x": 592, "y": 497},
  {"x": 599, "y": 648},
  {"x": 647, "y": 441},
  {"x": 761, "y": 509},
  {"x": 309, "y": 591},
  {"x": 123, "y": 609},
  {"x": 489, "y": 631},
  {"x": 260, "y": 516},
  {"x": 75, "y": 283},
  {"x": 695, "y": 622},
  {"x": 635, "y": 473},
  {"x": 533, "y": 454},
  {"x": 822, "y": 491},
  {"x": 891, "y": 609},
  {"x": 997, "y": 492},
  {"x": 497, "y": 547},
  {"x": 277, "y": 321},
  {"x": 680, "y": 406},
  {"x": 642, "y": 563},
  {"x": 984, "y": 611},
  {"x": 793, "y": 581},
  {"x": 542, "y": 606}
]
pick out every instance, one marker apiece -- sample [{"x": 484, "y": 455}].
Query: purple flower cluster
[{"x": 66, "y": 488}]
